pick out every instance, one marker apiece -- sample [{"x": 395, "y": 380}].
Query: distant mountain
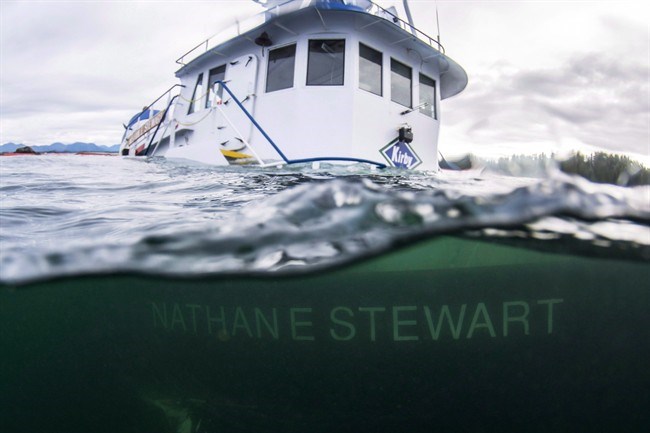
[
  {"x": 9, "y": 147},
  {"x": 63, "y": 148}
]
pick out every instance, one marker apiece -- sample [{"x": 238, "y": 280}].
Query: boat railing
[
  {"x": 289, "y": 6},
  {"x": 377, "y": 10},
  {"x": 165, "y": 93},
  {"x": 163, "y": 117},
  {"x": 286, "y": 159},
  {"x": 154, "y": 117}
]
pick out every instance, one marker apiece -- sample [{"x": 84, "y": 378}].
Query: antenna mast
[
  {"x": 410, "y": 17},
  {"x": 438, "y": 24}
]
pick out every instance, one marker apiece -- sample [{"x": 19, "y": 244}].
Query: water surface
[
  {"x": 159, "y": 297},
  {"x": 83, "y": 214}
]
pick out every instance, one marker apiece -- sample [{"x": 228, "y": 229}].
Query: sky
[{"x": 544, "y": 76}]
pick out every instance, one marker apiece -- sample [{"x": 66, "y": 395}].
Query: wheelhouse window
[
  {"x": 196, "y": 95},
  {"x": 326, "y": 64},
  {"x": 400, "y": 83},
  {"x": 428, "y": 96},
  {"x": 215, "y": 91},
  {"x": 370, "y": 70},
  {"x": 281, "y": 68}
]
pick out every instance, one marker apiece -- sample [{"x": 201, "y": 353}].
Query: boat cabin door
[{"x": 234, "y": 127}]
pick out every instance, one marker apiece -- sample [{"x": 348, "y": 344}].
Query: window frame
[
  {"x": 434, "y": 108},
  {"x": 410, "y": 82},
  {"x": 381, "y": 70},
  {"x": 209, "y": 92},
  {"x": 345, "y": 47},
  {"x": 193, "y": 105},
  {"x": 268, "y": 63}
]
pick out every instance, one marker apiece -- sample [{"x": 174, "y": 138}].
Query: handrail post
[{"x": 162, "y": 120}]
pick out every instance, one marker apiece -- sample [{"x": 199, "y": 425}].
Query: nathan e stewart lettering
[{"x": 370, "y": 323}]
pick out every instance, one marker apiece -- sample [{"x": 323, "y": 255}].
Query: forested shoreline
[{"x": 599, "y": 167}]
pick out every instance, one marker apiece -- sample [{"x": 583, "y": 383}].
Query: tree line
[{"x": 599, "y": 167}]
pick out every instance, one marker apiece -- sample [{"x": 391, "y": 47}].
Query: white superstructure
[{"x": 320, "y": 80}]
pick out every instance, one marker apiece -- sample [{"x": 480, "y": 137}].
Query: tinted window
[
  {"x": 216, "y": 74},
  {"x": 280, "y": 71},
  {"x": 370, "y": 63},
  {"x": 400, "y": 83},
  {"x": 196, "y": 95},
  {"x": 326, "y": 62},
  {"x": 428, "y": 96}
]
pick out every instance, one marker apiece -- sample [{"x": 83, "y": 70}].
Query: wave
[{"x": 308, "y": 221}]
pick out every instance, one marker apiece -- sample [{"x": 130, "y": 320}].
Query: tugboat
[{"x": 305, "y": 81}]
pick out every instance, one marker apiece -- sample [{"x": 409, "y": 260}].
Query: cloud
[
  {"x": 75, "y": 70},
  {"x": 540, "y": 76},
  {"x": 597, "y": 99}
]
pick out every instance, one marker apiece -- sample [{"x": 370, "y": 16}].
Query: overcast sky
[{"x": 544, "y": 76}]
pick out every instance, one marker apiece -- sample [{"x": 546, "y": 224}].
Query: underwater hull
[{"x": 449, "y": 335}]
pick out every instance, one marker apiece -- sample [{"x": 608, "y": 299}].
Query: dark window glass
[
  {"x": 215, "y": 90},
  {"x": 400, "y": 83},
  {"x": 196, "y": 95},
  {"x": 326, "y": 62},
  {"x": 428, "y": 96},
  {"x": 370, "y": 67},
  {"x": 281, "y": 66}
]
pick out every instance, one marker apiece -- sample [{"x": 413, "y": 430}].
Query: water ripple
[{"x": 117, "y": 215}]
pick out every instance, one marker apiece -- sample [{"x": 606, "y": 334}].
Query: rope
[
  {"x": 209, "y": 110},
  {"x": 193, "y": 101},
  {"x": 198, "y": 121}
]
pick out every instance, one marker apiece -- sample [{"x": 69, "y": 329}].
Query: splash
[{"x": 304, "y": 222}]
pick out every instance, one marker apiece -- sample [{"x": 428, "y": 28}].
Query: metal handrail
[
  {"x": 431, "y": 40},
  {"x": 181, "y": 58},
  {"x": 404, "y": 25},
  {"x": 160, "y": 97},
  {"x": 147, "y": 107},
  {"x": 171, "y": 101},
  {"x": 277, "y": 149}
]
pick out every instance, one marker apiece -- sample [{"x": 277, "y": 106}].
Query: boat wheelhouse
[{"x": 305, "y": 81}]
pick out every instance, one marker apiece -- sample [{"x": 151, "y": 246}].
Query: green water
[{"x": 446, "y": 335}]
